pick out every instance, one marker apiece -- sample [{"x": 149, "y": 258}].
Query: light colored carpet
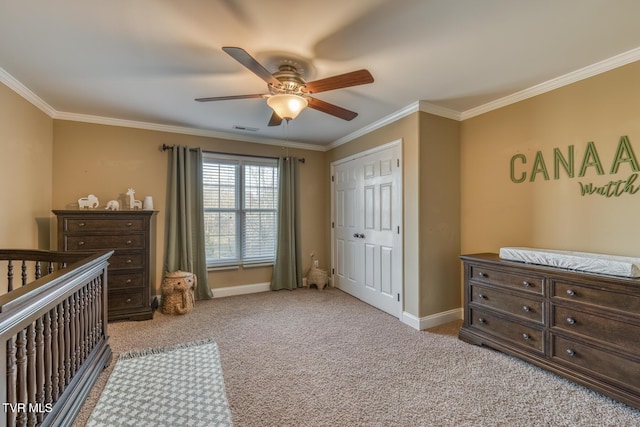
[
  {"x": 181, "y": 385},
  {"x": 323, "y": 358}
]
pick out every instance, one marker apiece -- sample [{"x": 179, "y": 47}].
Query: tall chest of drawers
[
  {"x": 130, "y": 234},
  {"x": 584, "y": 327}
]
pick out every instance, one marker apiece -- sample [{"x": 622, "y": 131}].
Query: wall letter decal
[
  {"x": 624, "y": 153},
  {"x": 524, "y": 174},
  {"x": 559, "y": 160},
  {"x": 539, "y": 166},
  {"x": 565, "y": 161},
  {"x": 591, "y": 153}
]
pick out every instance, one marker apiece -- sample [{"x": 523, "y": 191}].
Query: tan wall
[
  {"x": 552, "y": 213},
  {"x": 431, "y": 183},
  {"x": 405, "y": 129},
  {"x": 439, "y": 214},
  {"x": 106, "y": 160},
  {"x": 494, "y": 211},
  {"x": 25, "y": 173}
]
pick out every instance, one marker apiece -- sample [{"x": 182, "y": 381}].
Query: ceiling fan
[{"x": 289, "y": 93}]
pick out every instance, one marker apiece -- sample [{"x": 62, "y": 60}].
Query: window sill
[
  {"x": 223, "y": 268},
  {"x": 264, "y": 264},
  {"x": 237, "y": 266}
]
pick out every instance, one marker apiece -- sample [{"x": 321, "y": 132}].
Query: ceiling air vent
[{"x": 245, "y": 128}]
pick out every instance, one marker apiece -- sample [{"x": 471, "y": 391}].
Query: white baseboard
[
  {"x": 422, "y": 323},
  {"x": 230, "y": 291}
]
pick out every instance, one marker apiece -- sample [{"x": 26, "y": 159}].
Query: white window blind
[{"x": 240, "y": 209}]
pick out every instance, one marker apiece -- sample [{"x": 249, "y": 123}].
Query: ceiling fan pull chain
[{"x": 285, "y": 130}]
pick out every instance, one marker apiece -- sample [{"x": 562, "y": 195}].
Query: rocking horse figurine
[{"x": 133, "y": 203}]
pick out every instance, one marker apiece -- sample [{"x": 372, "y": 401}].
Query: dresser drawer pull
[
  {"x": 526, "y": 308},
  {"x": 129, "y": 224},
  {"x": 571, "y": 292},
  {"x": 128, "y": 300},
  {"x": 80, "y": 243},
  {"x": 481, "y": 320},
  {"x": 128, "y": 242},
  {"x": 525, "y": 336},
  {"x": 129, "y": 261},
  {"x": 570, "y": 352},
  {"x": 526, "y": 284},
  {"x": 571, "y": 320},
  {"x": 481, "y": 274},
  {"x": 481, "y": 296},
  {"x": 128, "y": 281},
  {"x": 81, "y": 224}
]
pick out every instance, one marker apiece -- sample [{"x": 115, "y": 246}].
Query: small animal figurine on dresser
[
  {"x": 133, "y": 203},
  {"x": 113, "y": 205},
  {"x": 90, "y": 202}
]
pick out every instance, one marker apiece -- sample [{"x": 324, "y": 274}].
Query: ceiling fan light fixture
[{"x": 287, "y": 106}]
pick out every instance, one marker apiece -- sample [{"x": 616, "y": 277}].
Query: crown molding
[
  {"x": 409, "y": 109},
  {"x": 182, "y": 130},
  {"x": 575, "y": 76},
  {"x": 404, "y": 112},
  {"x": 437, "y": 110},
  {"x": 24, "y": 92},
  {"x": 13, "y": 84},
  {"x": 608, "y": 64}
]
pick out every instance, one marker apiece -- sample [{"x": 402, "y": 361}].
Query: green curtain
[
  {"x": 287, "y": 270},
  {"x": 184, "y": 240}
]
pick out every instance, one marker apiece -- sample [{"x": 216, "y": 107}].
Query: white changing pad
[{"x": 583, "y": 261}]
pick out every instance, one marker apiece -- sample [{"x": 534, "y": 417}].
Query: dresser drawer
[
  {"x": 603, "y": 363},
  {"x": 126, "y": 260},
  {"x": 523, "y": 282},
  {"x": 125, "y": 279},
  {"x": 587, "y": 295},
  {"x": 79, "y": 225},
  {"x": 512, "y": 331},
  {"x": 526, "y": 308},
  {"x": 622, "y": 334},
  {"x": 586, "y": 326},
  {"x": 130, "y": 234},
  {"x": 126, "y": 300},
  {"x": 88, "y": 242}
]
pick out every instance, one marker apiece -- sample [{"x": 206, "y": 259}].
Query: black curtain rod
[{"x": 166, "y": 147}]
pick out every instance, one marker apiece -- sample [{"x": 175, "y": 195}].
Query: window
[{"x": 240, "y": 209}]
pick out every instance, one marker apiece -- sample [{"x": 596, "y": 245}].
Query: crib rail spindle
[{"x": 54, "y": 334}]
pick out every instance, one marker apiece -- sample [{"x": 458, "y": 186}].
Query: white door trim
[
  {"x": 396, "y": 143},
  {"x": 366, "y": 153}
]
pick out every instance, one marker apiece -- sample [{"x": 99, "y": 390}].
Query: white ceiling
[{"x": 142, "y": 62}]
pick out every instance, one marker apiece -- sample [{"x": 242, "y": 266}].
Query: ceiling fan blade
[
  {"x": 227, "y": 98},
  {"x": 340, "y": 81},
  {"x": 248, "y": 61},
  {"x": 332, "y": 109},
  {"x": 275, "y": 120}
]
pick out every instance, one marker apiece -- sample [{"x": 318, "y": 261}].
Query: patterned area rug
[{"x": 176, "y": 386}]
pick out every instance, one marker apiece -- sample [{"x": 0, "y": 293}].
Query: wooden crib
[{"x": 53, "y": 333}]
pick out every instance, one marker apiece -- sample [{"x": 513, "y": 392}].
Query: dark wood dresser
[
  {"x": 584, "y": 327},
  {"x": 131, "y": 235}
]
